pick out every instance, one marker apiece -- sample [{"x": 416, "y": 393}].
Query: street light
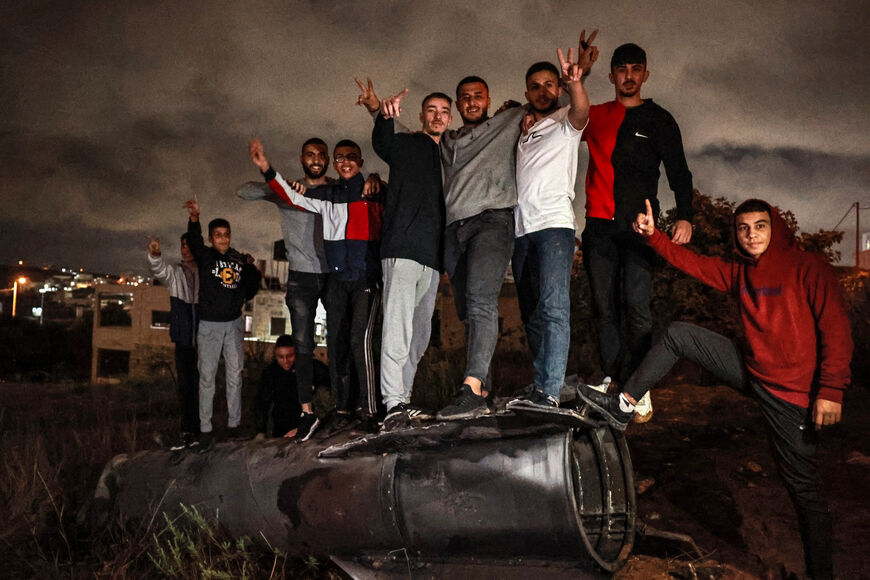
[{"x": 18, "y": 281}]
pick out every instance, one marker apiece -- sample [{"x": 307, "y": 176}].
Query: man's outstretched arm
[
  {"x": 710, "y": 270},
  {"x": 572, "y": 75}
]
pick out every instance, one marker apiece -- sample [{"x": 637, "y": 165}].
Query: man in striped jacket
[{"x": 351, "y": 241}]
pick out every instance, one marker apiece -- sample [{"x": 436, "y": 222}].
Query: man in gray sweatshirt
[
  {"x": 307, "y": 273},
  {"x": 480, "y": 191}
]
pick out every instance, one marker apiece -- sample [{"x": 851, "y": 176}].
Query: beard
[{"x": 311, "y": 174}]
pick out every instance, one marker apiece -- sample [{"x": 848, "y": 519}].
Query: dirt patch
[{"x": 707, "y": 472}]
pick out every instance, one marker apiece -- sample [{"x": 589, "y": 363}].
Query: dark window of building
[
  {"x": 277, "y": 326},
  {"x": 113, "y": 363},
  {"x": 160, "y": 319},
  {"x": 115, "y": 309},
  {"x": 500, "y": 325}
]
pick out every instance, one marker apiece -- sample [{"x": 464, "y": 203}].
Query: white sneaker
[
  {"x": 602, "y": 388},
  {"x": 644, "y": 409}
]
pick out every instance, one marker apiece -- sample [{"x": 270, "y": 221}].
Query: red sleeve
[
  {"x": 833, "y": 330},
  {"x": 712, "y": 271}
]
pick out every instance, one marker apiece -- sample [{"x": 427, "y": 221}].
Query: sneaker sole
[
  {"x": 610, "y": 419},
  {"x": 472, "y": 414},
  {"x": 558, "y": 415}
]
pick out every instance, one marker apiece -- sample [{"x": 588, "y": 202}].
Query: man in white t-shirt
[{"x": 545, "y": 226}]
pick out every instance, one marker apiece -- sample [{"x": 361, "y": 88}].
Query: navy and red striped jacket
[{"x": 351, "y": 224}]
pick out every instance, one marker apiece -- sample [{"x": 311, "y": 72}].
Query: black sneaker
[
  {"x": 397, "y": 418},
  {"x": 466, "y": 405},
  {"x": 606, "y": 405},
  {"x": 418, "y": 413},
  {"x": 186, "y": 440},
  {"x": 367, "y": 423},
  {"x": 308, "y": 424},
  {"x": 535, "y": 398},
  {"x": 206, "y": 443}
]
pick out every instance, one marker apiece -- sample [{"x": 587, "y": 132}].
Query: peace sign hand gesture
[
  {"x": 587, "y": 54},
  {"x": 367, "y": 97}
]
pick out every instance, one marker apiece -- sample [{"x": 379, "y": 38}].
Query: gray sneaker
[
  {"x": 466, "y": 405},
  {"x": 606, "y": 405}
]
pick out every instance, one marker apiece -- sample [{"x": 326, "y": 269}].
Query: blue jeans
[
  {"x": 303, "y": 291},
  {"x": 477, "y": 251},
  {"x": 620, "y": 269},
  {"x": 542, "y": 271}
]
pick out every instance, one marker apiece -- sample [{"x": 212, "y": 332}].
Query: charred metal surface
[{"x": 498, "y": 487}]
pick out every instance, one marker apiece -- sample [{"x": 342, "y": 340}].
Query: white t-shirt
[{"x": 546, "y": 172}]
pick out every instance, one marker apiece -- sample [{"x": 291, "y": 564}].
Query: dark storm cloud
[{"x": 115, "y": 113}]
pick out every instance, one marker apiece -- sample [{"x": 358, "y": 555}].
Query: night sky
[{"x": 114, "y": 113}]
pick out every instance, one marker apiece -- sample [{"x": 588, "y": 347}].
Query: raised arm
[
  {"x": 572, "y": 75},
  {"x": 159, "y": 268},
  {"x": 710, "y": 270},
  {"x": 194, "y": 229}
]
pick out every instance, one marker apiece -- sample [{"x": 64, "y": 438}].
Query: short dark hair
[
  {"x": 436, "y": 95},
  {"x": 346, "y": 143},
  {"x": 541, "y": 66},
  {"x": 217, "y": 223},
  {"x": 627, "y": 54},
  {"x": 285, "y": 340},
  {"x": 469, "y": 80},
  {"x": 752, "y": 205},
  {"x": 315, "y": 141},
  {"x": 185, "y": 238}
]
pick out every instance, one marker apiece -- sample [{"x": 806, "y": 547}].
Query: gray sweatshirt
[
  {"x": 479, "y": 166},
  {"x": 303, "y": 231}
]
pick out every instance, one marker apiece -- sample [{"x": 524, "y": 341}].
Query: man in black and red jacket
[{"x": 629, "y": 138}]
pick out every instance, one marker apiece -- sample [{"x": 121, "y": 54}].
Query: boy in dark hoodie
[
  {"x": 352, "y": 225},
  {"x": 227, "y": 279},
  {"x": 795, "y": 360}
]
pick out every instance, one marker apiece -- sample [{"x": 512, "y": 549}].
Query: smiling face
[
  {"x": 220, "y": 239},
  {"x": 628, "y": 78},
  {"x": 315, "y": 160},
  {"x": 435, "y": 116},
  {"x": 285, "y": 356},
  {"x": 753, "y": 232},
  {"x": 472, "y": 102},
  {"x": 347, "y": 161},
  {"x": 543, "y": 91}
]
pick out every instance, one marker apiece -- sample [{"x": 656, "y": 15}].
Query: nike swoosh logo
[
  {"x": 532, "y": 135},
  {"x": 639, "y": 134}
]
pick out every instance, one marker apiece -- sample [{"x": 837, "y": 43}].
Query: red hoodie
[{"x": 799, "y": 342}]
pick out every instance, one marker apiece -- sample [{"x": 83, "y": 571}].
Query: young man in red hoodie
[{"x": 795, "y": 360}]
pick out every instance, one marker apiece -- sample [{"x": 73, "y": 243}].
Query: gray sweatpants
[
  {"x": 409, "y": 300},
  {"x": 212, "y": 338}
]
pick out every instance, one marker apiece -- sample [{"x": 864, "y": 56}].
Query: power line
[{"x": 845, "y": 215}]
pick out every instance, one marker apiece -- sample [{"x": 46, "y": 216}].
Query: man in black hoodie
[
  {"x": 411, "y": 248},
  {"x": 227, "y": 279}
]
